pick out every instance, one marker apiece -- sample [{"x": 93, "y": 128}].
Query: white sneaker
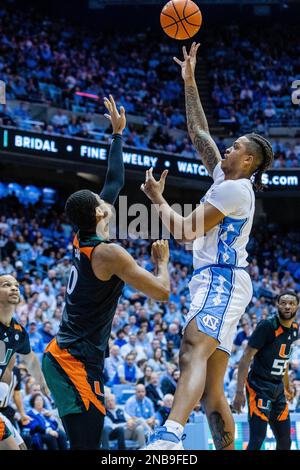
[{"x": 162, "y": 439}]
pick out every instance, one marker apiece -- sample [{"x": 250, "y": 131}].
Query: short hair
[
  {"x": 80, "y": 209},
  {"x": 8, "y": 274},
  {"x": 288, "y": 292},
  {"x": 34, "y": 397},
  {"x": 129, "y": 355},
  {"x": 262, "y": 150}
]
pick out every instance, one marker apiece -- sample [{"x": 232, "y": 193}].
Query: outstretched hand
[
  {"x": 188, "y": 65},
  {"x": 117, "y": 119},
  {"x": 153, "y": 188}
]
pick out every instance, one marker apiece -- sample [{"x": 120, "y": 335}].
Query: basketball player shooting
[{"x": 220, "y": 287}]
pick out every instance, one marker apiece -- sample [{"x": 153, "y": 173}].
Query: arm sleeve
[
  {"x": 262, "y": 335},
  {"x": 115, "y": 174},
  {"x": 228, "y": 197}
]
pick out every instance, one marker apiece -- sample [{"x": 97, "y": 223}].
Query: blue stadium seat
[{"x": 123, "y": 392}]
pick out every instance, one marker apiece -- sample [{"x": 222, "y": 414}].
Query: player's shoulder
[
  {"x": 109, "y": 254},
  {"x": 269, "y": 324},
  {"x": 17, "y": 327},
  {"x": 218, "y": 174},
  {"x": 106, "y": 250},
  {"x": 236, "y": 190}
]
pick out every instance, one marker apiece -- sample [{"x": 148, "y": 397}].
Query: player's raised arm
[
  {"x": 186, "y": 229},
  {"x": 109, "y": 260},
  {"x": 115, "y": 175},
  {"x": 196, "y": 119}
]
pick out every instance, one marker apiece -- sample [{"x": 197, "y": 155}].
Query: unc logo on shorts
[{"x": 211, "y": 322}]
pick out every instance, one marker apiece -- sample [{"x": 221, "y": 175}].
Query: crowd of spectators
[
  {"x": 286, "y": 152},
  {"x": 142, "y": 370},
  {"x": 47, "y": 61},
  {"x": 252, "y": 71}
]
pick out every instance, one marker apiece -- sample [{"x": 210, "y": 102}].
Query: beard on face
[{"x": 286, "y": 316}]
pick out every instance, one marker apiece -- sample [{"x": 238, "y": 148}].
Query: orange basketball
[{"x": 181, "y": 19}]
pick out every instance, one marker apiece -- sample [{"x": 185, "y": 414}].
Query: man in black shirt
[
  {"x": 13, "y": 339},
  {"x": 267, "y": 385}
]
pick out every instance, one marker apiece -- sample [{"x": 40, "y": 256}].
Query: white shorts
[
  {"x": 219, "y": 297},
  {"x": 13, "y": 430}
]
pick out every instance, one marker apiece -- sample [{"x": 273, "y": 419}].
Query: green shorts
[{"x": 73, "y": 384}]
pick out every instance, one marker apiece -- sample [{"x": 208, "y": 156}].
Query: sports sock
[{"x": 174, "y": 427}]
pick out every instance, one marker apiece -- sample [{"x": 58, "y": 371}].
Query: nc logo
[{"x": 211, "y": 322}]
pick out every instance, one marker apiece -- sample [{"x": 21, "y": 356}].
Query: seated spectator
[
  {"x": 158, "y": 362},
  {"x": 36, "y": 340},
  {"x": 173, "y": 335},
  {"x": 128, "y": 372},
  {"x": 163, "y": 412},
  {"x": 170, "y": 352},
  {"x": 154, "y": 392},
  {"x": 113, "y": 361},
  {"x": 118, "y": 425},
  {"x": 169, "y": 381},
  {"x": 133, "y": 347},
  {"x": 146, "y": 378},
  {"x": 244, "y": 334},
  {"x": 197, "y": 411},
  {"x": 43, "y": 428},
  {"x": 142, "y": 340},
  {"x": 32, "y": 389},
  {"x": 59, "y": 119},
  {"x": 120, "y": 341},
  {"x": 46, "y": 333},
  {"x": 140, "y": 406},
  {"x": 132, "y": 322}
]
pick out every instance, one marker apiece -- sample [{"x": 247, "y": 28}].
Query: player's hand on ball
[
  {"x": 153, "y": 188},
  {"x": 117, "y": 119},
  {"x": 239, "y": 402},
  {"x": 160, "y": 251},
  {"x": 188, "y": 65}
]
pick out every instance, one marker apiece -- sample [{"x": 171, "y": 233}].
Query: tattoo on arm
[
  {"x": 198, "y": 129},
  {"x": 222, "y": 438}
]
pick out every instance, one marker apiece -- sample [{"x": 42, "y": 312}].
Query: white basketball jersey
[{"x": 226, "y": 243}]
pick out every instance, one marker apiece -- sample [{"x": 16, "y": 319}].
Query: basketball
[{"x": 181, "y": 19}]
